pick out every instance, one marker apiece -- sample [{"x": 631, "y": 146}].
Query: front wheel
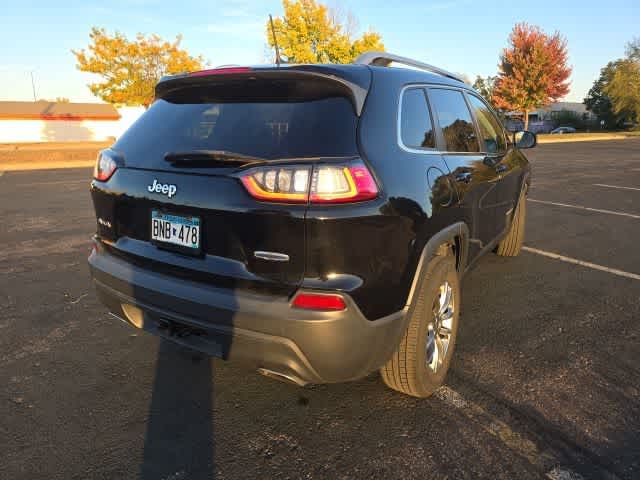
[{"x": 419, "y": 365}]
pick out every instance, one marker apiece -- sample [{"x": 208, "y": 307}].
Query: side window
[
  {"x": 454, "y": 119},
  {"x": 491, "y": 132},
  {"x": 416, "y": 129}
]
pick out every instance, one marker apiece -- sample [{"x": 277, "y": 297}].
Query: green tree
[
  {"x": 484, "y": 86},
  {"x": 624, "y": 86},
  {"x": 598, "y": 102},
  {"x": 309, "y": 32},
  {"x": 533, "y": 70},
  {"x": 633, "y": 49},
  {"x": 130, "y": 69},
  {"x": 568, "y": 118}
]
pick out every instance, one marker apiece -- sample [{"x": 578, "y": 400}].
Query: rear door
[
  {"x": 257, "y": 122},
  {"x": 474, "y": 178}
]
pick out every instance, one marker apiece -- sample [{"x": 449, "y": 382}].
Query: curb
[
  {"x": 25, "y": 166},
  {"x": 568, "y": 139}
]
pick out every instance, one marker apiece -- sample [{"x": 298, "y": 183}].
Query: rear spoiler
[{"x": 351, "y": 82}]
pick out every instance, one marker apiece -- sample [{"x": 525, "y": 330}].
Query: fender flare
[{"x": 456, "y": 235}]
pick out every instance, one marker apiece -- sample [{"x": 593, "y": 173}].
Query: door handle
[
  {"x": 501, "y": 168},
  {"x": 464, "y": 177}
]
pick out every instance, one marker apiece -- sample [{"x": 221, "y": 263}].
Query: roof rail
[{"x": 384, "y": 59}]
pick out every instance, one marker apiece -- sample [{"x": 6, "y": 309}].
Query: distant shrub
[{"x": 568, "y": 118}]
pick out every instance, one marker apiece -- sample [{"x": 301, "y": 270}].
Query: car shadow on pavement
[
  {"x": 555, "y": 350},
  {"x": 179, "y": 441}
]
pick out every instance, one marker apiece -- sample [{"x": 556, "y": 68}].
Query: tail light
[
  {"x": 105, "y": 166},
  {"x": 342, "y": 184},
  {"x": 287, "y": 184},
  {"x": 319, "y": 301},
  {"x": 318, "y": 184}
]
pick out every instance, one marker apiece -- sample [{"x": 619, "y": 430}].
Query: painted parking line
[
  {"x": 497, "y": 428},
  {"x": 582, "y": 263},
  {"x": 559, "y": 473},
  {"x": 57, "y": 182},
  {"x": 494, "y": 426},
  {"x": 1, "y": 173},
  {"x": 589, "y": 209},
  {"x": 616, "y": 186}
]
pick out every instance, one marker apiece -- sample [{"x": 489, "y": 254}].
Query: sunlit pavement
[{"x": 546, "y": 380}]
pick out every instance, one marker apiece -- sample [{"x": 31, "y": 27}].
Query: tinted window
[
  {"x": 317, "y": 128},
  {"x": 416, "y": 129},
  {"x": 490, "y": 130},
  {"x": 454, "y": 120}
]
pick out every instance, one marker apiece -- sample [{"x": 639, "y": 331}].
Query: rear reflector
[
  {"x": 319, "y": 301},
  {"x": 219, "y": 71}
]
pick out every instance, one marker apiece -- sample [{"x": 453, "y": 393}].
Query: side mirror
[{"x": 525, "y": 139}]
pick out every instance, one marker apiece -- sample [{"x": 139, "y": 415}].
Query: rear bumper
[{"x": 260, "y": 330}]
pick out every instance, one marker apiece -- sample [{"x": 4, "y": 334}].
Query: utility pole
[{"x": 33, "y": 86}]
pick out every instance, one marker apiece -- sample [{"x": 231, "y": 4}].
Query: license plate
[{"x": 175, "y": 230}]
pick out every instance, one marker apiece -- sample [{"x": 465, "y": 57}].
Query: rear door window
[
  {"x": 271, "y": 130},
  {"x": 454, "y": 120},
  {"x": 491, "y": 133},
  {"x": 416, "y": 128}
]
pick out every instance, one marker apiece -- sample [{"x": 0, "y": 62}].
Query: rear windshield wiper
[{"x": 210, "y": 158}]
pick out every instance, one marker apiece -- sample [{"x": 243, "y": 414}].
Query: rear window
[{"x": 316, "y": 128}]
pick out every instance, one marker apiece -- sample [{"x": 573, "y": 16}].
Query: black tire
[
  {"x": 407, "y": 371},
  {"x": 511, "y": 245}
]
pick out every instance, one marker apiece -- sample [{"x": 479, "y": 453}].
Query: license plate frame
[{"x": 176, "y": 219}]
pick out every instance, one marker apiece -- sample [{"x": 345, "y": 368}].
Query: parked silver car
[{"x": 563, "y": 130}]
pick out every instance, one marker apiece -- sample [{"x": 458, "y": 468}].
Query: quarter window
[
  {"x": 491, "y": 133},
  {"x": 454, "y": 119},
  {"x": 416, "y": 128}
]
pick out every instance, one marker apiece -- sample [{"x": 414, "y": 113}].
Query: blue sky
[{"x": 460, "y": 35}]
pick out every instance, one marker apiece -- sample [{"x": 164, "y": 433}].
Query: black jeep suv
[{"x": 311, "y": 220}]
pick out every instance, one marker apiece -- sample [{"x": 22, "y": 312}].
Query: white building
[
  {"x": 544, "y": 119},
  {"x": 63, "y": 121},
  {"x": 550, "y": 111}
]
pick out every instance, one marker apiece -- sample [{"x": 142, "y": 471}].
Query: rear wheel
[
  {"x": 419, "y": 365},
  {"x": 511, "y": 245}
]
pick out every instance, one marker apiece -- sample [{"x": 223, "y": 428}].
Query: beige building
[{"x": 63, "y": 121}]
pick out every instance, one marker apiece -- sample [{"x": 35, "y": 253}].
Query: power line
[{"x": 33, "y": 86}]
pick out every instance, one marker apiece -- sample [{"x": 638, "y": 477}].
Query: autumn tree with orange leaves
[
  {"x": 311, "y": 32},
  {"x": 130, "y": 69},
  {"x": 533, "y": 70}
]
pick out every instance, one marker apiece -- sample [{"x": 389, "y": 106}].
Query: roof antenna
[{"x": 275, "y": 41}]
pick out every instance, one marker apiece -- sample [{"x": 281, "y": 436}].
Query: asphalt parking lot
[{"x": 546, "y": 381}]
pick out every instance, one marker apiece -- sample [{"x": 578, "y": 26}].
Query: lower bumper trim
[{"x": 261, "y": 331}]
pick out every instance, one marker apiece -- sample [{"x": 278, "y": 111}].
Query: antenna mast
[{"x": 275, "y": 41}]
